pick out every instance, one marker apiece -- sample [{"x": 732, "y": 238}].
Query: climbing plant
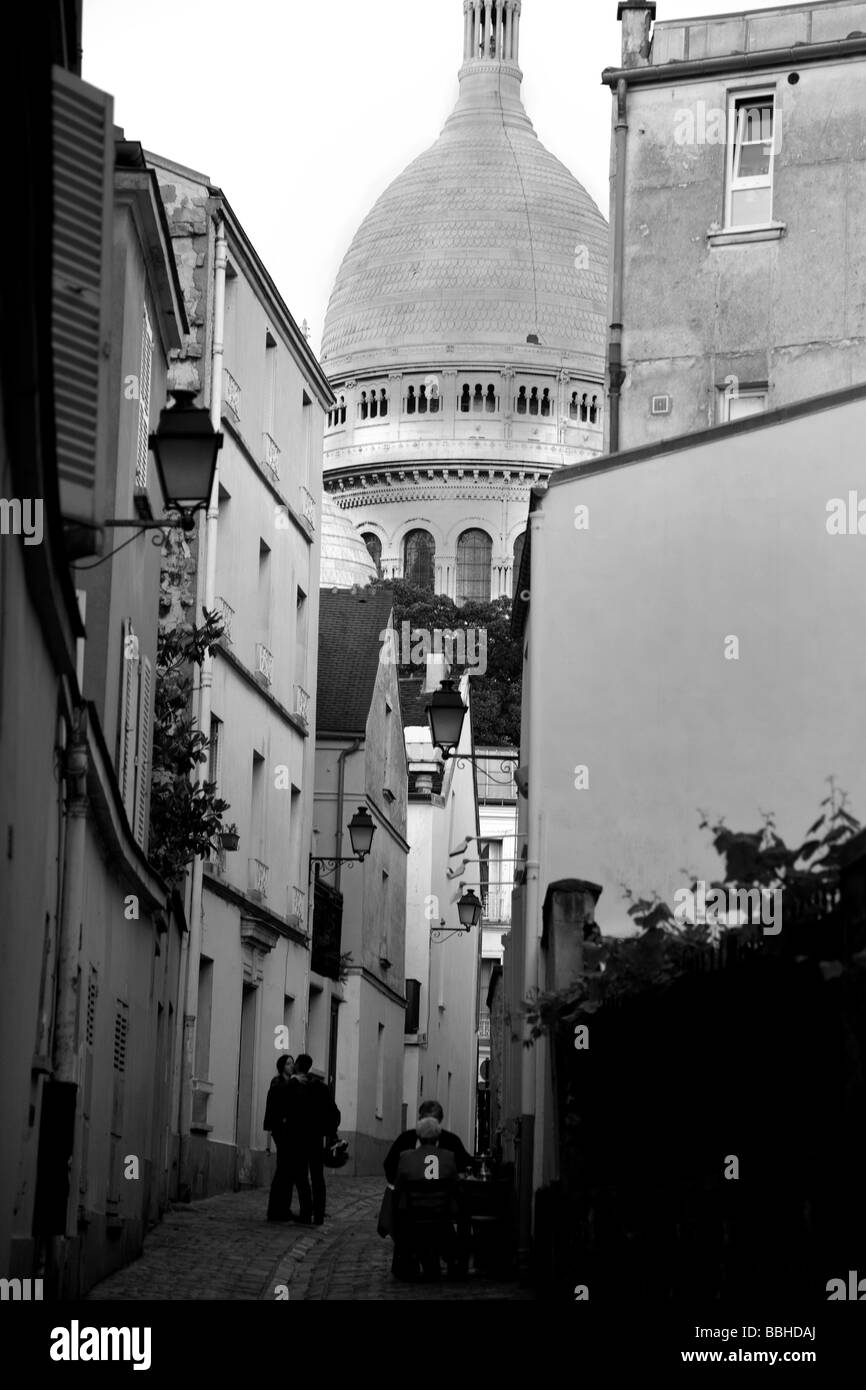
[{"x": 185, "y": 814}]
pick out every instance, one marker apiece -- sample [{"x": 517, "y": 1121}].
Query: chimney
[
  {"x": 438, "y": 670},
  {"x": 636, "y": 16}
]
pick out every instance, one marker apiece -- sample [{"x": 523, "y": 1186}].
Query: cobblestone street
[{"x": 223, "y": 1248}]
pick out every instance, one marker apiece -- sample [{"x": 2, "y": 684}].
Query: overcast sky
[{"x": 303, "y": 111}]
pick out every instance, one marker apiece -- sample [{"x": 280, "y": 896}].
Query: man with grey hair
[
  {"x": 409, "y": 1139},
  {"x": 426, "y": 1196}
]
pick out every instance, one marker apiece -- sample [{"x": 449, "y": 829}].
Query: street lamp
[
  {"x": 185, "y": 447},
  {"x": 361, "y": 830},
  {"x": 469, "y": 910},
  {"x": 445, "y": 714}
]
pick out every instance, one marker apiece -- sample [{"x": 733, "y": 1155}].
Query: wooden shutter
[
  {"x": 142, "y": 753},
  {"x": 83, "y": 174},
  {"x": 121, "y": 1038},
  {"x": 142, "y": 449}
]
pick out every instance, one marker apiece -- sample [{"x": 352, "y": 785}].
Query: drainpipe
[
  {"x": 204, "y": 702},
  {"x": 67, "y": 1011},
  {"x": 529, "y": 1135},
  {"x": 616, "y": 374},
  {"x": 341, "y": 786}
]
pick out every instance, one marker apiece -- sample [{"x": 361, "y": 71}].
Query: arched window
[
  {"x": 422, "y": 400},
  {"x": 533, "y": 401},
  {"x": 374, "y": 547},
  {"x": 521, "y": 401},
  {"x": 572, "y": 406},
  {"x": 474, "y": 549},
  {"x": 374, "y": 405},
  {"x": 464, "y": 400},
  {"x": 419, "y": 554},
  {"x": 545, "y": 402},
  {"x": 383, "y": 403},
  {"x": 490, "y": 399},
  {"x": 594, "y": 410},
  {"x": 515, "y": 570},
  {"x": 478, "y": 398},
  {"x": 411, "y": 403},
  {"x": 363, "y": 406},
  {"x": 342, "y": 410}
]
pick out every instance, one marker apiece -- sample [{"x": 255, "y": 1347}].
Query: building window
[
  {"x": 738, "y": 404},
  {"x": 419, "y": 554},
  {"x": 515, "y": 569},
  {"x": 521, "y": 401},
  {"x": 474, "y": 549},
  {"x": 411, "y": 401},
  {"x": 337, "y": 416},
  {"x": 479, "y": 399},
  {"x": 751, "y": 126},
  {"x": 584, "y": 407},
  {"x": 374, "y": 549}
]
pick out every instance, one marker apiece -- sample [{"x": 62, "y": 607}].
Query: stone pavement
[{"x": 223, "y": 1248}]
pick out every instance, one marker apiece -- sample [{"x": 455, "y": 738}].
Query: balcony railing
[
  {"x": 259, "y": 874},
  {"x": 496, "y": 905},
  {"x": 216, "y": 860},
  {"x": 298, "y": 904},
  {"x": 308, "y": 508},
  {"x": 231, "y": 394},
  {"x": 271, "y": 456},
  {"x": 484, "y": 1027},
  {"x": 264, "y": 663},
  {"x": 226, "y": 612},
  {"x": 302, "y": 703}
]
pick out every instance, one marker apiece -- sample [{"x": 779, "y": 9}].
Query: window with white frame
[
  {"x": 737, "y": 404},
  {"x": 751, "y": 138}
]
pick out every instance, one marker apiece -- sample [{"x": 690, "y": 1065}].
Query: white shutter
[
  {"x": 144, "y": 402},
  {"x": 83, "y": 180},
  {"x": 128, "y": 716},
  {"x": 142, "y": 755}
]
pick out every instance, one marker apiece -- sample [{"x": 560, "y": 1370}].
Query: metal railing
[
  {"x": 271, "y": 456},
  {"x": 264, "y": 663},
  {"x": 226, "y": 612},
  {"x": 302, "y": 703},
  {"x": 259, "y": 874},
  {"x": 231, "y": 394},
  {"x": 308, "y": 508}
]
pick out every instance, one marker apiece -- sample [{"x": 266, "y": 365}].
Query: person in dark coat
[
  {"x": 427, "y": 1206},
  {"x": 408, "y": 1140},
  {"x": 280, "y": 1198},
  {"x": 312, "y": 1121}
]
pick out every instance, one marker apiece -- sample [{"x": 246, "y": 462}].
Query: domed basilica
[{"x": 465, "y": 336}]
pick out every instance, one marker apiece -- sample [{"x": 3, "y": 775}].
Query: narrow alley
[{"x": 223, "y": 1248}]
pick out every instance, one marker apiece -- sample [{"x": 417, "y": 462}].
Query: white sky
[{"x": 302, "y": 111}]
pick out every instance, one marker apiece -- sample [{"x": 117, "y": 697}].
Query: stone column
[
  {"x": 476, "y": 28},
  {"x": 509, "y": 30},
  {"x": 516, "y": 53},
  {"x": 467, "y": 29}
]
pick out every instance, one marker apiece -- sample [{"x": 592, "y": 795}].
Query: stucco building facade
[
  {"x": 257, "y": 566},
  {"x": 738, "y": 178}
]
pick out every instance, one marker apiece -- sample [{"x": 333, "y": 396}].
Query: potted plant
[{"x": 230, "y": 838}]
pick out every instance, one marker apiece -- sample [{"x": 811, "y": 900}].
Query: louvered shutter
[
  {"x": 144, "y": 402},
  {"x": 142, "y": 754},
  {"x": 83, "y": 169},
  {"x": 128, "y": 717}
]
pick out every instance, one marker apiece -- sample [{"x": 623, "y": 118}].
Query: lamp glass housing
[
  {"x": 185, "y": 447},
  {"x": 445, "y": 714},
  {"x": 469, "y": 910},
  {"x": 361, "y": 829}
]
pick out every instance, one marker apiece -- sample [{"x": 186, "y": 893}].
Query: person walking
[
  {"x": 312, "y": 1121},
  {"x": 275, "y": 1122}
]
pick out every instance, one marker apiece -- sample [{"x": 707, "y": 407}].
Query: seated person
[
  {"x": 408, "y": 1140},
  {"x": 426, "y": 1205}
]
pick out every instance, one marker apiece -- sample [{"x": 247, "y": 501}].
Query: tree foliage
[
  {"x": 496, "y": 694},
  {"x": 617, "y": 967},
  {"x": 185, "y": 814}
]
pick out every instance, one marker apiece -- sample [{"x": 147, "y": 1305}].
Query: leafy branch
[{"x": 185, "y": 814}]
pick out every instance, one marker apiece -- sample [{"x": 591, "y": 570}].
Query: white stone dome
[
  {"x": 484, "y": 242},
  {"x": 345, "y": 558}
]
